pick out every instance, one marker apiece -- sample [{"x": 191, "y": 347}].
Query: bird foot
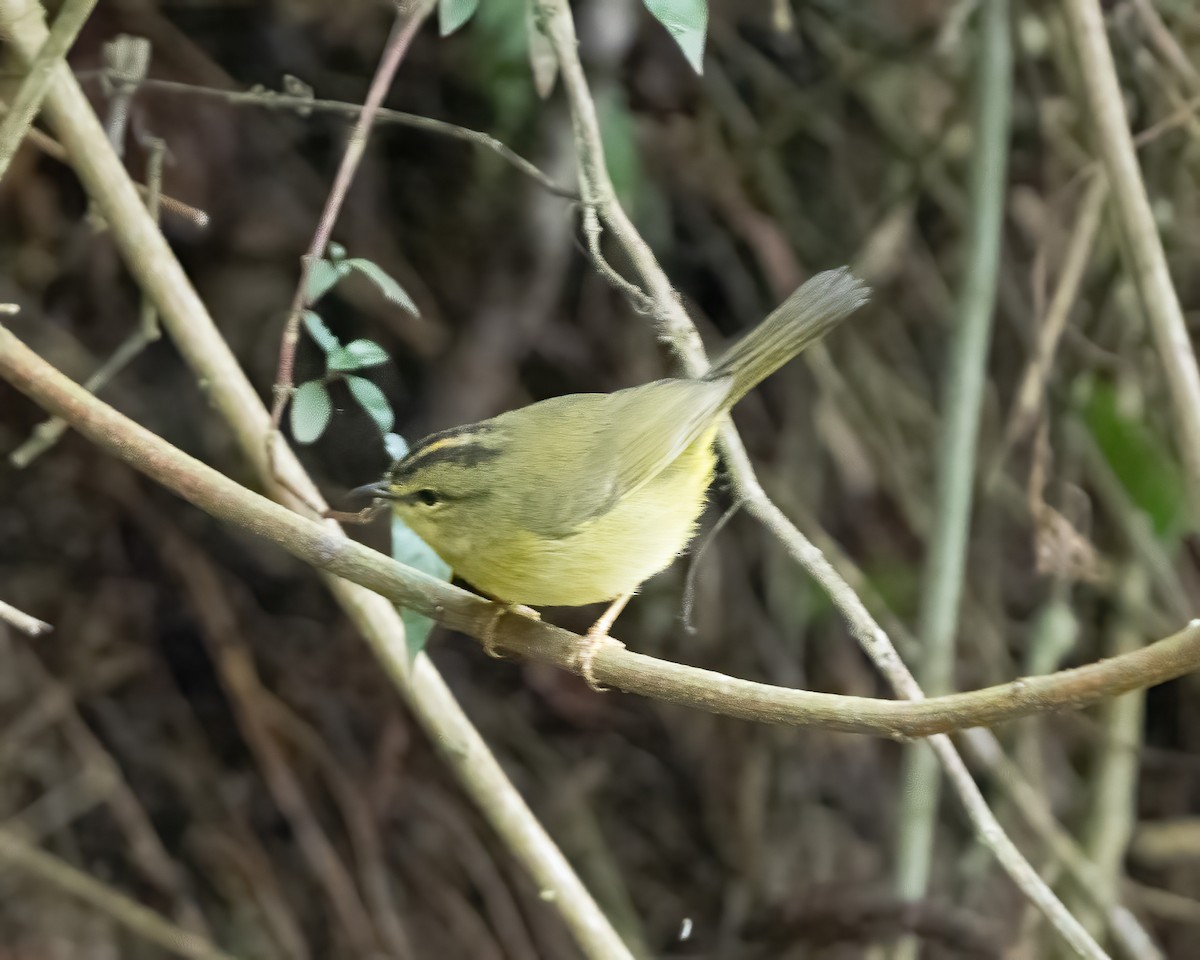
[
  {"x": 585, "y": 657},
  {"x": 489, "y": 635}
]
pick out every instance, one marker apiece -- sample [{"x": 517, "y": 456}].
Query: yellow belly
[{"x": 609, "y": 556}]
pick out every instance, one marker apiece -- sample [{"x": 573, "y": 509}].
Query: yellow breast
[{"x": 608, "y": 556}]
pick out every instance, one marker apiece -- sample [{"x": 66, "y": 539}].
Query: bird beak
[{"x": 378, "y": 490}]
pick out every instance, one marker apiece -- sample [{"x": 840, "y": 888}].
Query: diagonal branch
[
  {"x": 1106, "y": 107},
  {"x": 18, "y": 852},
  {"x": 28, "y": 101},
  {"x": 403, "y": 31},
  {"x": 270, "y": 100}
]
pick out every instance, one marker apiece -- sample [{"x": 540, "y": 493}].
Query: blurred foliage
[{"x": 1140, "y": 459}]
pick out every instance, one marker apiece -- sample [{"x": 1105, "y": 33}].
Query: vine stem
[{"x": 404, "y": 29}]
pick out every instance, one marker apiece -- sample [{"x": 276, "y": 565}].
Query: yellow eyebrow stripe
[{"x": 459, "y": 440}]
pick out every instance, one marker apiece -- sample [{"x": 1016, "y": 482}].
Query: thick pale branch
[
  {"x": 1106, "y": 108},
  {"x": 532, "y": 639},
  {"x": 32, "y": 91}
]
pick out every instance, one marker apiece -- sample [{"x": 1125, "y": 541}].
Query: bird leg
[
  {"x": 489, "y": 634},
  {"x": 586, "y": 657}
]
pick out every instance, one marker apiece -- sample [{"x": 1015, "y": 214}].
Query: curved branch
[
  {"x": 384, "y": 116},
  {"x": 531, "y": 639}
]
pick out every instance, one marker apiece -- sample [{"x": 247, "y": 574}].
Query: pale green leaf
[
  {"x": 322, "y": 276},
  {"x": 319, "y": 332},
  {"x": 687, "y": 22},
  {"x": 452, "y": 14},
  {"x": 387, "y": 286},
  {"x": 372, "y": 400},
  {"x": 408, "y": 548},
  {"x": 1141, "y": 460},
  {"x": 309, "y": 414},
  {"x": 542, "y": 59},
  {"x": 336, "y": 251},
  {"x": 395, "y": 445},
  {"x": 356, "y": 355}
]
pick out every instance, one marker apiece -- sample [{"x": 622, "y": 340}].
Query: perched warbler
[{"x": 580, "y": 499}]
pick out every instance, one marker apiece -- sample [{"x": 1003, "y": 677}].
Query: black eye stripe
[{"x": 464, "y": 454}]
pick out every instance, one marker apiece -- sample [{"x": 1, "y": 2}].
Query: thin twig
[
  {"x": 1148, "y": 261},
  {"x": 270, "y": 100},
  {"x": 116, "y": 906},
  {"x": 146, "y": 849},
  {"x": 962, "y": 405},
  {"x": 1112, "y": 787},
  {"x": 19, "y": 620},
  {"x": 404, "y": 29},
  {"x": 52, "y": 148},
  {"x": 128, "y": 60},
  {"x": 535, "y": 640},
  {"x": 25, "y": 105},
  {"x": 597, "y": 189},
  {"x": 369, "y": 849},
  {"x": 1168, "y": 47},
  {"x": 239, "y": 678},
  {"x": 1029, "y": 398},
  {"x": 47, "y": 433}
]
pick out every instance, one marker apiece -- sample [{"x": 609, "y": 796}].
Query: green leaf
[
  {"x": 319, "y": 332},
  {"x": 309, "y": 415},
  {"x": 452, "y": 14},
  {"x": 410, "y": 549},
  {"x": 1140, "y": 460},
  {"x": 322, "y": 276},
  {"x": 621, "y": 152},
  {"x": 372, "y": 400},
  {"x": 336, "y": 251},
  {"x": 356, "y": 355},
  {"x": 395, "y": 445},
  {"x": 387, "y": 286},
  {"x": 543, "y": 61},
  {"x": 687, "y": 22}
]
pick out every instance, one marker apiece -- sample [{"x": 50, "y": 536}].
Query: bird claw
[
  {"x": 488, "y": 640},
  {"x": 585, "y": 657}
]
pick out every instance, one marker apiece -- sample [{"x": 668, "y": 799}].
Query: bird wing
[{"x": 622, "y": 440}]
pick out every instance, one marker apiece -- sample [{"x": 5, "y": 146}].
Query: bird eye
[{"x": 428, "y": 497}]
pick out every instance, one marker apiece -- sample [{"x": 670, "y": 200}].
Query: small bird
[{"x": 582, "y": 498}]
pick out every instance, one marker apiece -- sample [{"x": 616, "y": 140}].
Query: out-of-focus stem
[{"x": 961, "y": 406}]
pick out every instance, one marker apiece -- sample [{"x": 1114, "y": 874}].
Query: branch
[
  {"x": 116, "y": 906},
  {"x": 28, "y": 101},
  {"x": 20, "y": 620},
  {"x": 615, "y": 666},
  {"x": 677, "y": 327},
  {"x": 962, "y": 404},
  {"x": 403, "y": 31},
  {"x": 271, "y": 100},
  {"x": 1106, "y": 107}
]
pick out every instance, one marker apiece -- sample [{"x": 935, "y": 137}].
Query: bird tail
[{"x": 803, "y": 318}]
